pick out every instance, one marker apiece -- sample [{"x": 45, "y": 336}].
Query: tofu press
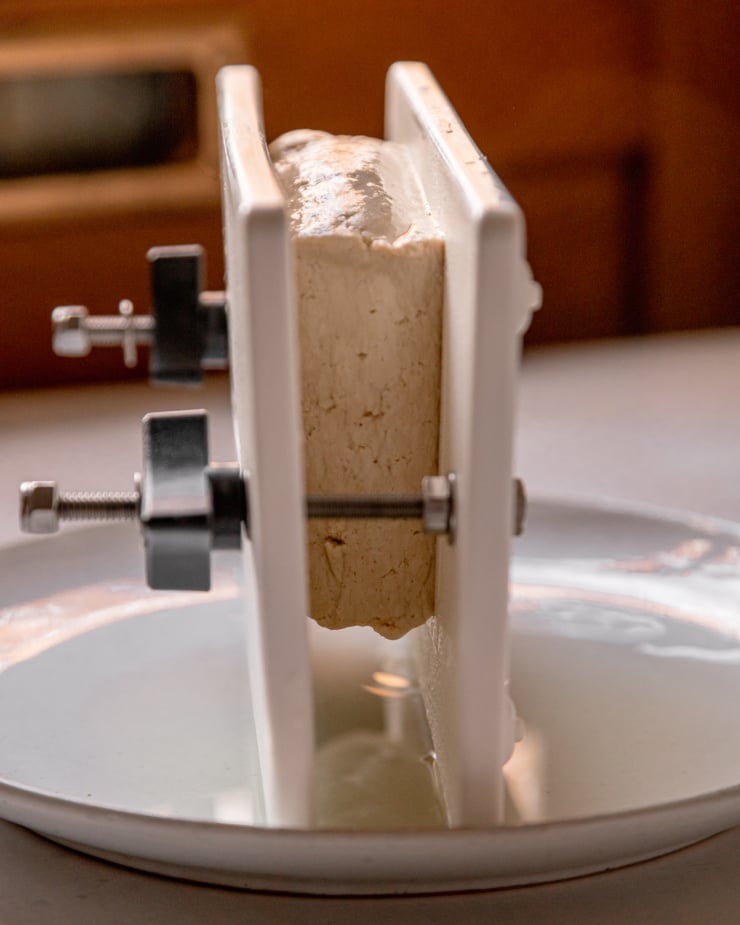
[{"x": 476, "y": 703}]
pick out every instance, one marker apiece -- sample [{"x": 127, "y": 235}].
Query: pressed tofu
[{"x": 370, "y": 281}]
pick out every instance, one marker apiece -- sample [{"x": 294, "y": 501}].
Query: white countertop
[{"x": 653, "y": 421}]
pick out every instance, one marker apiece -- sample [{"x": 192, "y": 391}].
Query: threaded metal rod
[
  {"x": 43, "y": 506},
  {"x": 110, "y": 330},
  {"x": 365, "y": 506},
  {"x": 98, "y": 505}
]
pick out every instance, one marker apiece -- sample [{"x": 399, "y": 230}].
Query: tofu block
[{"x": 370, "y": 281}]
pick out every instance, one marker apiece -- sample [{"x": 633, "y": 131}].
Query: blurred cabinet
[{"x": 616, "y": 125}]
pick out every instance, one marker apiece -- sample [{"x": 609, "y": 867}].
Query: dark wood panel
[
  {"x": 695, "y": 141},
  {"x": 584, "y": 228},
  {"x": 617, "y": 125}
]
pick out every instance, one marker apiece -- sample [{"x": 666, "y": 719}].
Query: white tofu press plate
[{"x": 125, "y": 726}]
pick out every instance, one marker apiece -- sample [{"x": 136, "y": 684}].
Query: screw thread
[
  {"x": 365, "y": 506},
  {"x": 110, "y": 330},
  {"x": 98, "y": 505}
]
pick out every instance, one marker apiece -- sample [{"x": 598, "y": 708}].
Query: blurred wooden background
[{"x": 615, "y": 123}]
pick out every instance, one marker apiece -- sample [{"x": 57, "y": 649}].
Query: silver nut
[
  {"x": 70, "y": 337},
  {"x": 436, "y": 492},
  {"x": 39, "y": 507}
]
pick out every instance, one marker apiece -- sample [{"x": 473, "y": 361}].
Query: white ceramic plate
[{"x": 124, "y": 726}]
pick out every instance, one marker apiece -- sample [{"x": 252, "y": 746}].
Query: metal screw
[
  {"x": 75, "y": 332},
  {"x": 360, "y": 507},
  {"x": 43, "y": 507},
  {"x": 187, "y": 327}
]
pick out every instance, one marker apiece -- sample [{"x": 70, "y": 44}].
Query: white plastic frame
[
  {"x": 489, "y": 294},
  {"x": 463, "y": 652},
  {"x": 266, "y": 405}
]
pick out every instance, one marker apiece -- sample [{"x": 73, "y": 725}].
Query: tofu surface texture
[{"x": 370, "y": 281}]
